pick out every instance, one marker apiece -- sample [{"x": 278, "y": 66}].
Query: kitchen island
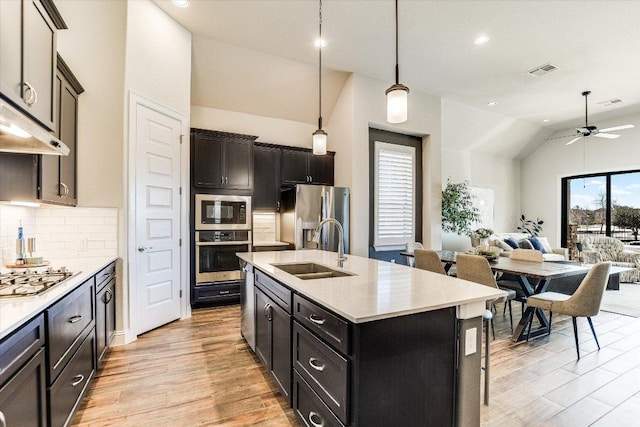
[{"x": 376, "y": 344}]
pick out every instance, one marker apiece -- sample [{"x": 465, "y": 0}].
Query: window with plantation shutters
[{"x": 395, "y": 195}]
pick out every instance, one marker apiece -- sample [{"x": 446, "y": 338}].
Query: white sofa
[{"x": 497, "y": 239}]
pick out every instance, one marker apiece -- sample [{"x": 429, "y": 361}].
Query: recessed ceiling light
[
  {"x": 481, "y": 40},
  {"x": 320, "y": 43},
  {"x": 181, "y": 3},
  {"x": 546, "y": 120},
  {"x": 492, "y": 103}
]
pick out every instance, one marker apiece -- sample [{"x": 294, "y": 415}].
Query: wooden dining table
[{"x": 533, "y": 277}]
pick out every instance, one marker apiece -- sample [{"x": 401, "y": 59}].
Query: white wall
[
  {"x": 267, "y": 129},
  {"x": 543, "y": 169},
  {"x": 472, "y": 140}
]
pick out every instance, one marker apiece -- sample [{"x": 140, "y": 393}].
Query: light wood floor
[{"x": 199, "y": 371}]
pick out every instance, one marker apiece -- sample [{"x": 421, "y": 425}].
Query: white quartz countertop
[
  {"x": 16, "y": 311},
  {"x": 270, "y": 243},
  {"x": 378, "y": 290}
]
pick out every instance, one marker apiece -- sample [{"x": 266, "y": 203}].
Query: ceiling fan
[{"x": 590, "y": 130}]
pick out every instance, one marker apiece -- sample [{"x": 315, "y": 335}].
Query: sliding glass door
[{"x": 602, "y": 204}]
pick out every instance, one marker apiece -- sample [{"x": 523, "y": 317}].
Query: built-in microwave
[{"x": 222, "y": 212}]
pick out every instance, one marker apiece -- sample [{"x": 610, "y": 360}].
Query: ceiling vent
[
  {"x": 610, "y": 102},
  {"x": 542, "y": 70}
]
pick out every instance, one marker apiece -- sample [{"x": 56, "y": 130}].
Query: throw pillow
[
  {"x": 545, "y": 244},
  {"x": 511, "y": 242},
  {"x": 525, "y": 244},
  {"x": 536, "y": 244},
  {"x": 502, "y": 245}
]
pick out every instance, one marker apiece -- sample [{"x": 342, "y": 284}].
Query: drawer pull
[
  {"x": 3, "y": 420},
  {"x": 75, "y": 319},
  {"x": 78, "y": 379},
  {"x": 313, "y": 415},
  {"x": 316, "y": 364},
  {"x": 317, "y": 320},
  {"x": 224, "y": 292}
]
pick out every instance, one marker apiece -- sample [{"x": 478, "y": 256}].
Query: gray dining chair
[
  {"x": 427, "y": 259},
  {"x": 510, "y": 282},
  {"x": 585, "y": 301},
  {"x": 409, "y": 248}
]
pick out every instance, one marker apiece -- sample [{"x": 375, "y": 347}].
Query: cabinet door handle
[
  {"x": 267, "y": 311},
  {"x": 110, "y": 294},
  {"x": 3, "y": 420},
  {"x": 75, "y": 319},
  {"x": 317, "y": 320},
  {"x": 316, "y": 364},
  {"x": 78, "y": 379},
  {"x": 65, "y": 189},
  {"x": 222, "y": 180},
  {"x": 33, "y": 95},
  {"x": 313, "y": 415}
]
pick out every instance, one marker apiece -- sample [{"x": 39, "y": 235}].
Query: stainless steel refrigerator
[{"x": 302, "y": 209}]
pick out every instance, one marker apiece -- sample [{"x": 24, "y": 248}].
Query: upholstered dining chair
[
  {"x": 427, "y": 259},
  {"x": 585, "y": 301},
  {"x": 475, "y": 268},
  {"x": 510, "y": 282},
  {"x": 409, "y": 248}
]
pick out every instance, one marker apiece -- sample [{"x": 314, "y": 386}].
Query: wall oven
[
  {"x": 222, "y": 212},
  {"x": 216, "y": 259}
]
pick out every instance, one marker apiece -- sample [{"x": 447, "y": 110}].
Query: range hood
[{"x": 20, "y": 134}]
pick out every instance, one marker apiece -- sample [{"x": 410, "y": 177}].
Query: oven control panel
[{"x": 223, "y": 236}]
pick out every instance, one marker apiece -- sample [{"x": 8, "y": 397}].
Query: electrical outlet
[{"x": 470, "y": 341}]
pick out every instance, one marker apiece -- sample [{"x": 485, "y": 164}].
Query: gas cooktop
[{"x": 29, "y": 282}]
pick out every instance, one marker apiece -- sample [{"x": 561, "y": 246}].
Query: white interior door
[{"x": 157, "y": 219}]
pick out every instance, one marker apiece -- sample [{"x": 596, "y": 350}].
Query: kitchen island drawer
[
  {"x": 278, "y": 292},
  {"x": 17, "y": 348},
  {"x": 322, "y": 322},
  {"x": 66, "y": 321},
  {"x": 309, "y": 407},
  {"x": 65, "y": 393},
  {"x": 326, "y": 371},
  {"x": 102, "y": 278}
]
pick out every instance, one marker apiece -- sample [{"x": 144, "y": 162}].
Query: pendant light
[
  {"x": 320, "y": 136},
  {"x": 398, "y": 93}
]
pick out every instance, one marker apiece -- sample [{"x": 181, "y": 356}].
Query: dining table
[{"x": 533, "y": 277}]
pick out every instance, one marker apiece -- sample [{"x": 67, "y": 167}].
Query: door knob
[{"x": 143, "y": 248}]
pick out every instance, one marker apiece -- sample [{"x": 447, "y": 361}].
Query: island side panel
[{"x": 404, "y": 370}]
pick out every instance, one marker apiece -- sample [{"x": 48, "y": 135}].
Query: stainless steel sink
[{"x": 310, "y": 270}]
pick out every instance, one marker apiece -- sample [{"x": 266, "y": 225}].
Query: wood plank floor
[{"x": 200, "y": 371}]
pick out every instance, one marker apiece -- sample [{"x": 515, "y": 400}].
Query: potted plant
[
  {"x": 458, "y": 211},
  {"x": 530, "y": 226}
]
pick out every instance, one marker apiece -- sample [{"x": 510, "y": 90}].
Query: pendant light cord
[
  {"x": 397, "y": 67},
  {"x": 320, "y": 68}
]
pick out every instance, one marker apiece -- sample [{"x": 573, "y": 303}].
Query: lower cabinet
[
  {"x": 105, "y": 318},
  {"x": 308, "y": 406},
  {"x": 23, "y": 397},
  {"x": 273, "y": 340}
]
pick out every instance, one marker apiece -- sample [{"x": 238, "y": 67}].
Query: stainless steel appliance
[
  {"x": 248, "y": 305},
  {"x": 222, "y": 212},
  {"x": 302, "y": 209},
  {"x": 28, "y": 282},
  {"x": 216, "y": 259}
]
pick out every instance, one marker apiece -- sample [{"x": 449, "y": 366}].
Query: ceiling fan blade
[
  {"x": 573, "y": 140},
  {"x": 617, "y": 128},
  {"x": 555, "y": 137},
  {"x": 607, "y": 135}
]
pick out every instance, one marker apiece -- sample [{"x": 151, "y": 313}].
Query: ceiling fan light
[
  {"x": 320, "y": 142},
  {"x": 397, "y": 100}
]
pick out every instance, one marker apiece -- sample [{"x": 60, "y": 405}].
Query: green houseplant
[
  {"x": 458, "y": 211},
  {"x": 530, "y": 226}
]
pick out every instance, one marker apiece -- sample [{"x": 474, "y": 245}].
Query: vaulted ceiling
[{"x": 258, "y": 57}]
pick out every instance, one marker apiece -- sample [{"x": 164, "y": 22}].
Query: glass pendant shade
[
  {"x": 320, "y": 142},
  {"x": 397, "y": 98}
]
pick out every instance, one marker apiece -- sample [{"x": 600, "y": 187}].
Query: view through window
[{"x": 604, "y": 204}]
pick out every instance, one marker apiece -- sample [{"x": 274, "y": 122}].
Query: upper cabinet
[
  {"x": 303, "y": 167},
  {"x": 28, "y": 56},
  {"x": 222, "y": 160},
  {"x": 58, "y": 173},
  {"x": 266, "y": 174}
]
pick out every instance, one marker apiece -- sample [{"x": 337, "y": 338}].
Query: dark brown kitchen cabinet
[
  {"x": 222, "y": 160},
  {"x": 105, "y": 310},
  {"x": 28, "y": 56},
  {"x": 266, "y": 175},
  {"x": 22, "y": 376},
  {"x": 273, "y": 340},
  {"x": 303, "y": 167},
  {"x": 58, "y": 173}
]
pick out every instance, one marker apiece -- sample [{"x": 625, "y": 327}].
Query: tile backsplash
[
  {"x": 264, "y": 227},
  {"x": 62, "y": 234}
]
